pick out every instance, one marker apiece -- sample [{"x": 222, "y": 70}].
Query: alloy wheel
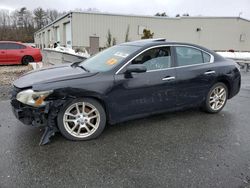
[
  {"x": 81, "y": 119},
  {"x": 217, "y": 98}
]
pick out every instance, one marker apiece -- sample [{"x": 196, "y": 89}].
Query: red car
[{"x": 18, "y": 53}]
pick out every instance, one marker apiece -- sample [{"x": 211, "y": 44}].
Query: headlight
[{"x": 33, "y": 98}]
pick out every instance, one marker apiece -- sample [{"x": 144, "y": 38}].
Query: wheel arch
[{"x": 73, "y": 94}]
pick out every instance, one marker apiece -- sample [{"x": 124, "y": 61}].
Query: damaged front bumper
[
  {"x": 38, "y": 117},
  {"x": 34, "y": 116}
]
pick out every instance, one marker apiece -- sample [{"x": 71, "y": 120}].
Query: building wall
[
  {"x": 42, "y": 38},
  {"x": 214, "y": 33}
]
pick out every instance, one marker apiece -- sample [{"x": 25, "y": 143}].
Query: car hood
[{"x": 51, "y": 74}]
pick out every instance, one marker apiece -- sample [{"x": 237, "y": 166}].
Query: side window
[
  {"x": 21, "y": 46},
  {"x": 13, "y": 46},
  {"x": 188, "y": 56},
  {"x": 2, "y": 46},
  {"x": 154, "y": 59},
  {"x": 206, "y": 57}
]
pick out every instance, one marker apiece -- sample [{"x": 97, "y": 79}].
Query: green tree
[
  {"x": 147, "y": 34},
  {"x": 109, "y": 39},
  {"x": 40, "y": 17},
  {"x": 164, "y": 14},
  {"x": 20, "y": 16},
  {"x": 127, "y": 34}
]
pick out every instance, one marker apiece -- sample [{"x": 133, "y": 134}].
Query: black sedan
[{"x": 124, "y": 82}]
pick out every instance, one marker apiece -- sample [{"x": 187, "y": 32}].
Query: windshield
[{"x": 108, "y": 59}]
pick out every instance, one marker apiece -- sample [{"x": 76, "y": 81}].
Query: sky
[{"x": 142, "y": 7}]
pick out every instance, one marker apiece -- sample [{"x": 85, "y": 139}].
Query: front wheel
[
  {"x": 81, "y": 119},
  {"x": 216, "y": 98}
]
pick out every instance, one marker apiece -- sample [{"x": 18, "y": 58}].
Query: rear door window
[{"x": 188, "y": 56}]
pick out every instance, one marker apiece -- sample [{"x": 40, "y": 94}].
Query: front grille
[{"x": 15, "y": 103}]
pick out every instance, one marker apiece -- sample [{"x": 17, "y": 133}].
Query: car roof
[
  {"x": 156, "y": 42},
  {"x": 11, "y": 42},
  {"x": 147, "y": 43}
]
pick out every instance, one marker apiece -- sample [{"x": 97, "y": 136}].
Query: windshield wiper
[
  {"x": 83, "y": 68},
  {"x": 77, "y": 64}
]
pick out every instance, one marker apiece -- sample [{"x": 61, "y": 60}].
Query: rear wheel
[
  {"x": 27, "y": 59},
  {"x": 216, "y": 98},
  {"x": 81, "y": 119}
]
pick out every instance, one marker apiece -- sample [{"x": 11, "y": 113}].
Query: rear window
[{"x": 206, "y": 57}]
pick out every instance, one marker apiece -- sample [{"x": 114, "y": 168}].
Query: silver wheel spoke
[
  {"x": 216, "y": 105},
  {"x": 91, "y": 111},
  {"x": 91, "y": 117},
  {"x": 86, "y": 127},
  {"x": 79, "y": 130},
  {"x": 70, "y": 114},
  {"x": 83, "y": 108},
  {"x": 70, "y": 120},
  {"x": 77, "y": 109},
  {"x": 72, "y": 130},
  {"x": 221, "y": 91},
  {"x": 92, "y": 125},
  {"x": 222, "y": 94},
  {"x": 212, "y": 101}
]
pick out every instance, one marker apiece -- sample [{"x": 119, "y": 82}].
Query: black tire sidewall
[
  {"x": 28, "y": 58},
  {"x": 95, "y": 103},
  {"x": 207, "y": 105}
]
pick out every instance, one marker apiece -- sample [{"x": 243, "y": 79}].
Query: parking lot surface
[{"x": 180, "y": 149}]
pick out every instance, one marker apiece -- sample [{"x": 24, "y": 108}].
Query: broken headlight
[{"x": 33, "y": 98}]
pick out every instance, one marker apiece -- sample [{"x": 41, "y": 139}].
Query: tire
[
  {"x": 80, "y": 126},
  {"x": 27, "y": 59},
  {"x": 216, "y": 99}
]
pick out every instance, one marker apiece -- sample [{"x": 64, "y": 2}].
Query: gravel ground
[{"x": 7, "y": 75}]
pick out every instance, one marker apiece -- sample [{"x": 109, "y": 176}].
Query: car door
[
  {"x": 15, "y": 52},
  {"x": 195, "y": 74},
  {"x": 148, "y": 92},
  {"x": 3, "y": 56}
]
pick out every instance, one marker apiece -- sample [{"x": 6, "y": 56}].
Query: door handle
[
  {"x": 209, "y": 72},
  {"x": 168, "y": 78}
]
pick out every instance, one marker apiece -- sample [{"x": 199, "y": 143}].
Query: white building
[{"x": 89, "y": 30}]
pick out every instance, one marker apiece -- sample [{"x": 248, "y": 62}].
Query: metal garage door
[{"x": 68, "y": 38}]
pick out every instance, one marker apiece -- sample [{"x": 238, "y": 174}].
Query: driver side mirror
[{"x": 137, "y": 68}]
